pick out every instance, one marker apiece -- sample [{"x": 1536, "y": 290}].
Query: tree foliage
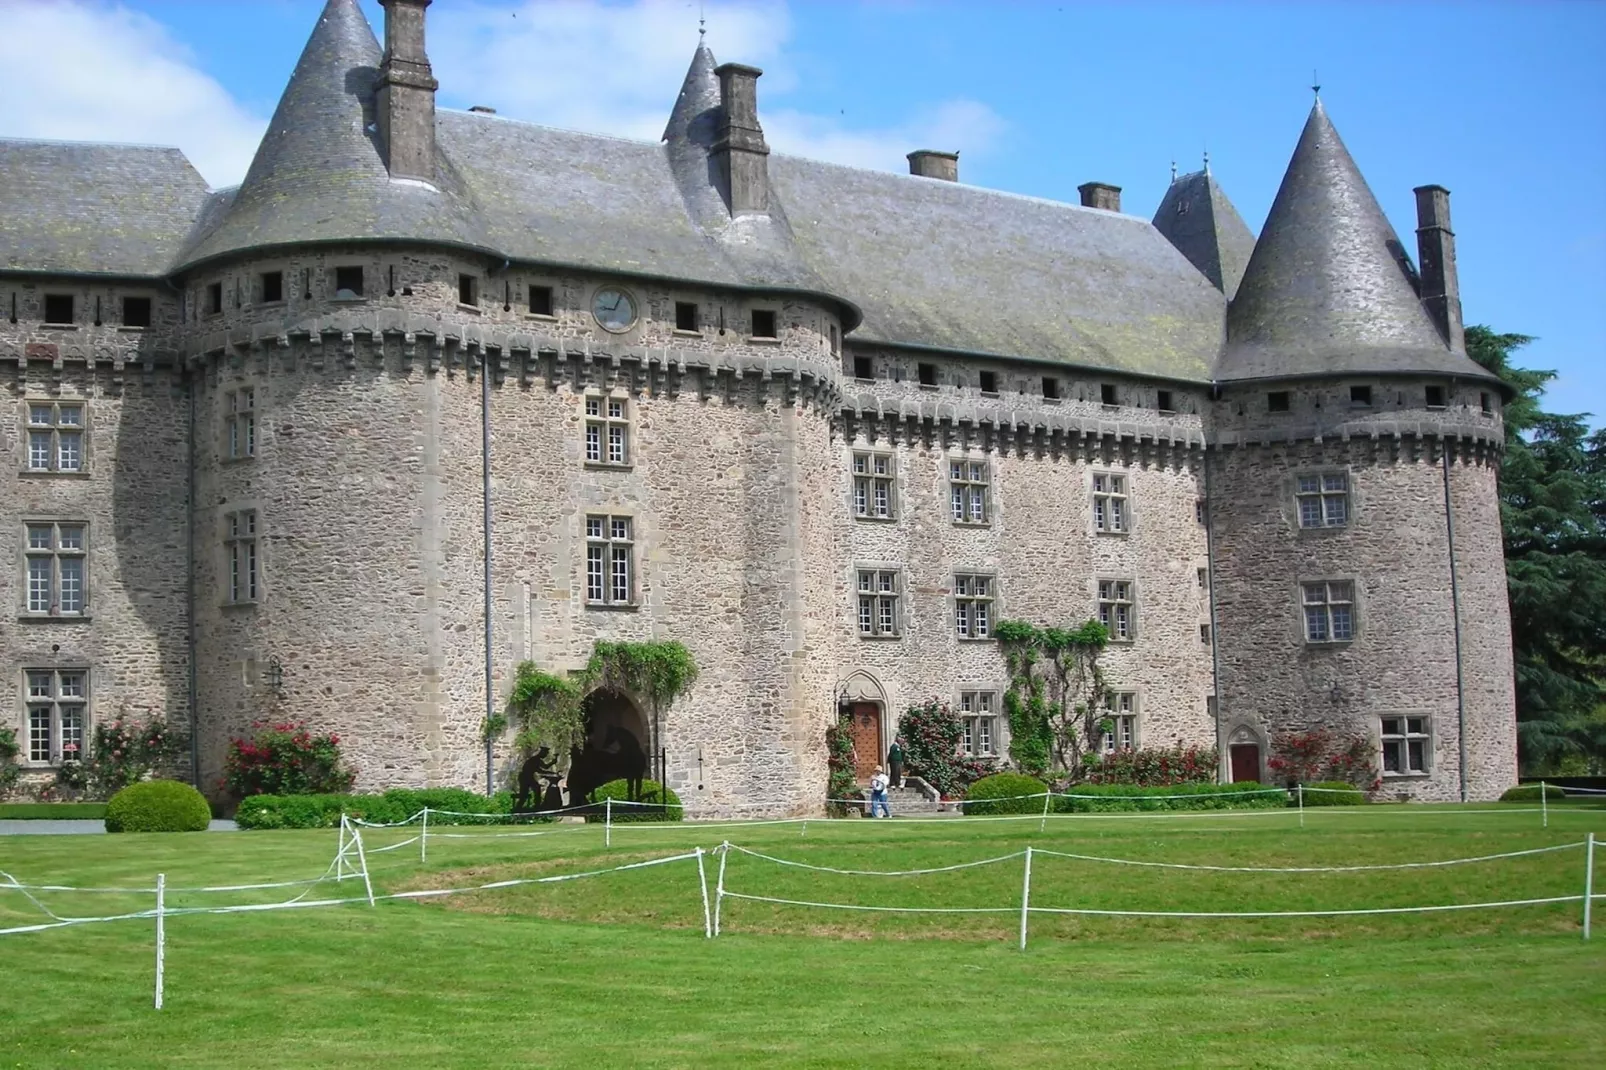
[
  {"x": 1057, "y": 695},
  {"x": 1553, "y": 516}
]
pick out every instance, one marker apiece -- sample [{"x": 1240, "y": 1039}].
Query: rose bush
[{"x": 286, "y": 758}]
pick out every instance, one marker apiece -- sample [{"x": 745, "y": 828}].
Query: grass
[
  {"x": 52, "y": 811},
  {"x": 615, "y": 969}
]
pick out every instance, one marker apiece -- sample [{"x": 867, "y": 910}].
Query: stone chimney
[
  {"x": 1100, "y": 195},
  {"x": 740, "y": 150},
  {"x": 928, "y": 163},
  {"x": 406, "y": 98},
  {"x": 1435, "y": 249}
]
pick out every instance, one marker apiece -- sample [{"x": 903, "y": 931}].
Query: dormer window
[{"x": 348, "y": 283}]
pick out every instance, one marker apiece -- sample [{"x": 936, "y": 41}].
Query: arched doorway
[
  {"x": 863, "y": 702},
  {"x": 1244, "y": 754},
  {"x": 616, "y": 746}
]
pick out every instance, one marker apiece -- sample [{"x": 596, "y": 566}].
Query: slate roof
[
  {"x": 1196, "y": 216},
  {"x": 1330, "y": 289},
  {"x": 94, "y": 209}
]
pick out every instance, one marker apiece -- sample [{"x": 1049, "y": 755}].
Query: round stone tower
[{"x": 1359, "y": 581}]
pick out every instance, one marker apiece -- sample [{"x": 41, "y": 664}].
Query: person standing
[
  {"x": 878, "y": 794},
  {"x": 895, "y": 762}
]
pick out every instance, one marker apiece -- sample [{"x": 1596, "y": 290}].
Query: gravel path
[{"x": 77, "y": 828}]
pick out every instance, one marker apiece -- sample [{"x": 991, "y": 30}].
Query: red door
[
  {"x": 866, "y": 733},
  {"x": 1245, "y": 762}
]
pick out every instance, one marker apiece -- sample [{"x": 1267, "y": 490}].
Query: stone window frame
[
  {"x": 878, "y": 601},
  {"x": 607, "y": 430},
  {"x": 53, "y": 553},
  {"x": 975, "y": 602},
  {"x": 752, "y": 325},
  {"x": 695, "y": 311},
  {"x": 1124, "y": 710},
  {"x": 359, "y": 294},
  {"x": 611, "y": 540},
  {"x": 869, "y": 479},
  {"x": 1311, "y": 486},
  {"x": 967, "y": 490},
  {"x": 978, "y": 707},
  {"x": 259, "y": 287},
  {"x": 1110, "y": 495},
  {"x": 239, "y": 423},
  {"x": 211, "y": 301},
  {"x": 57, "y": 733},
  {"x": 1309, "y": 602},
  {"x": 1109, "y": 599},
  {"x": 46, "y": 320},
  {"x": 1410, "y": 727},
  {"x": 242, "y": 557},
  {"x": 123, "y": 310},
  {"x": 56, "y": 432}
]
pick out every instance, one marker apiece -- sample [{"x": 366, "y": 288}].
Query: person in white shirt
[{"x": 878, "y": 794}]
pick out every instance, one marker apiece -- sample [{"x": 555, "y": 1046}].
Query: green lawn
[{"x": 615, "y": 969}]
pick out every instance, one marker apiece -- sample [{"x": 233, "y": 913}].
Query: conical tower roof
[
  {"x": 695, "y": 117},
  {"x": 1196, "y": 217},
  {"x": 1329, "y": 288},
  {"x": 319, "y": 174}
]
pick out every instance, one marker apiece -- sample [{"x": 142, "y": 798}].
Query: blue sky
[{"x": 1505, "y": 104}]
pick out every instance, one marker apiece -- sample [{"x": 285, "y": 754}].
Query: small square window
[
  {"x": 1204, "y": 578},
  {"x": 989, "y": 382},
  {"x": 836, "y": 341},
  {"x": 348, "y": 283},
  {"x": 928, "y": 374},
  {"x": 1107, "y": 393},
  {"x": 58, "y": 308},
  {"x": 272, "y": 287},
  {"x": 764, "y": 323},
  {"x": 1277, "y": 401},
  {"x": 468, "y": 290},
  {"x": 540, "y": 300},
  {"x": 1199, "y": 513},
  {"x": 136, "y": 312},
  {"x": 1051, "y": 387},
  {"x": 1360, "y": 397},
  {"x": 1435, "y": 397},
  {"x": 1204, "y": 633},
  {"x": 1483, "y": 400},
  {"x": 1163, "y": 402},
  {"x": 685, "y": 316},
  {"x": 214, "y": 299},
  {"x": 862, "y": 368}
]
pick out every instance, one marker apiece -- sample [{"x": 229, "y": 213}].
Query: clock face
[{"x": 614, "y": 309}]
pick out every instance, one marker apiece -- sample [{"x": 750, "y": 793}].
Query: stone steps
[{"x": 914, "y": 797}]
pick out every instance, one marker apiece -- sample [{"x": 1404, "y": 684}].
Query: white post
[
  {"x": 362, "y": 859},
  {"x": 1589, "y": 879},
  {"x": 340, "y": 852},
  {"x": 805, "y": 831},
  {"x": 161, "y": 934},
  {"x": 1043, "y": 824},
  {"x": 702, "y": 878},
  {"x": 607, "y": 823},
  {"x": 423, "y": 838},
  {"x": 1025, "y": 898},
  {"x": 1544, "y": 804},
  {"x": 719, "y": 892},
  {"x": 1301, "y": 788}
]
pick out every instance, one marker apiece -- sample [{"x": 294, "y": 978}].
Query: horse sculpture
[
  {"x": 631, "y": 760},
  {"x": 620, "y": 757}
]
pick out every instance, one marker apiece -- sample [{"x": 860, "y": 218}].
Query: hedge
[
  {"x": 158, "y": 806},
  {"x": 94, "y": 811},
  {"x": 397, "y": 804},
  {"x": 1174, "y": 797},
  {"x": 1530, "y": 793},
  {"x": 650, "y": 793},
  {"x": 1329, "y": 793},
  {"x": 996, "y": 794}
]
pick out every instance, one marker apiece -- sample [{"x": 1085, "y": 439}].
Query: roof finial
[
  {"x": 1173, "y": 170},
  {"x": 1207, "y": 160},
  {"x": 702, "y": 22},
  {"x": 1315, "y": 84}
]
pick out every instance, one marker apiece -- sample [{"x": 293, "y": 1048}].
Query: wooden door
[
  {"x": 1245, "y": 762},
  {"x": 866, "y": 733}
]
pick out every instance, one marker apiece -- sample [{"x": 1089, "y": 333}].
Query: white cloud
[
  {"x": 84, "y": 71},
  {"x": 616, "y": 69},
  {"x": 579, "y": 64}
]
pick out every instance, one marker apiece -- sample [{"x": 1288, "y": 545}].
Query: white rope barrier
[
  {"x": 876, "y": 872},
  {"x": 1303, "y": 913},
  {"x": 1310, "y": 869},
  {"x": 875, "y": 909}
]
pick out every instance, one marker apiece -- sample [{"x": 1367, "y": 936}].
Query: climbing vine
[
  {"x": 842, "y": 780},
  {"x": 548, "y": 710},
  {"x": 1057, "y": 695}
]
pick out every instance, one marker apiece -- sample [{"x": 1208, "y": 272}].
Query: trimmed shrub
[
  {"x": 1112, "y": 797},
  {"x": 1330, "y": 793},
  {"x": 1530, "y": 793},
  {"x": 651, "y": 792},
  {"x": 1155, "y": 766},
  {"x": 996, "y": 795},
  {"x": 158, "y": 806},
  {"x": 397, "y": 804}
]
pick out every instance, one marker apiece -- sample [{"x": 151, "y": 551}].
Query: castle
[{"x": 823, "y": 425}]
